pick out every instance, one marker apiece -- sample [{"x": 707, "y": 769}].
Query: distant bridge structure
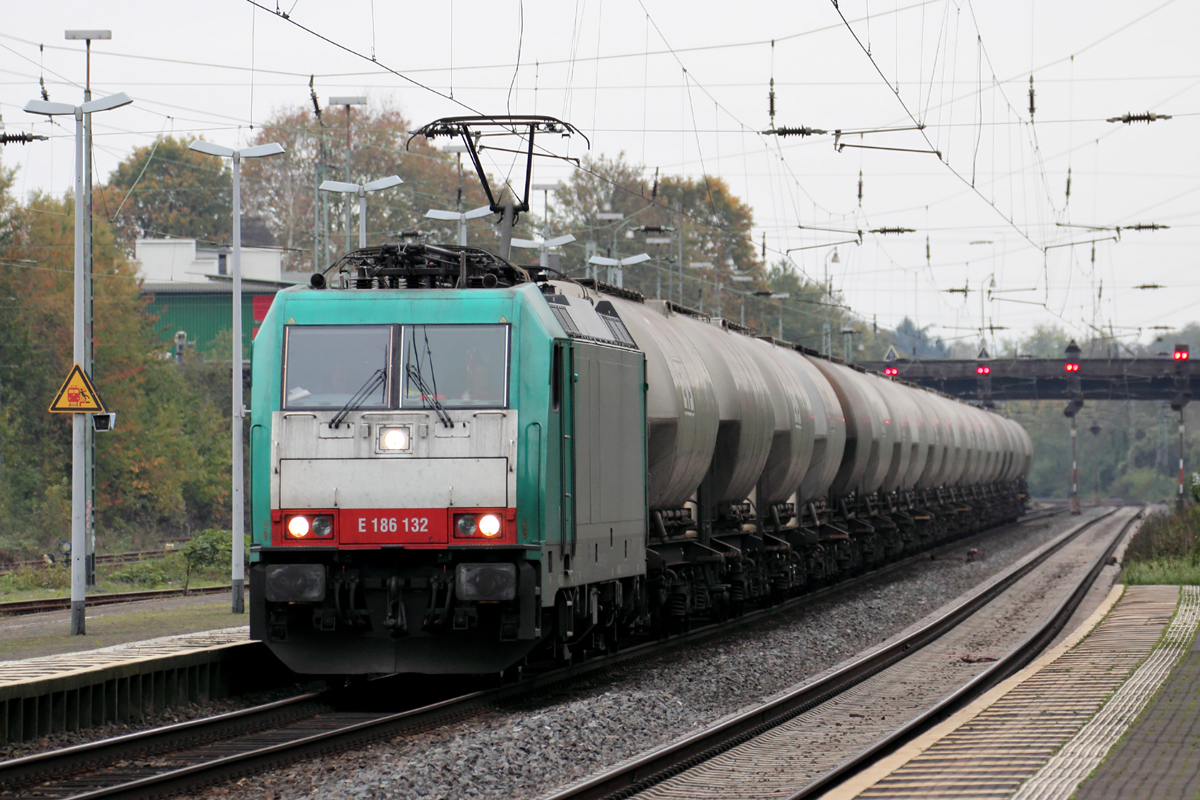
[
  {"x": 1171, "y": 378},
  {"x": 995, "y": 380}
]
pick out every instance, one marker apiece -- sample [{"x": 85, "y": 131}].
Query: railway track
[
  {"x": 101, "y": 558},
  {"x": 751, "y": 732},
  {"x": 20, "y": 607},
  {"x": 176, "y": 757}
]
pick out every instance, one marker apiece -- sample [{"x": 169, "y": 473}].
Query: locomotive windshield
[
  {"x": 455, "y": 366},
  {"x": 327, "y": 365}
]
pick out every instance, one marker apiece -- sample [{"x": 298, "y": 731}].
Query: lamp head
[
  {"x": 209, "y": 148},
  {"x": 49, "y": 109}
]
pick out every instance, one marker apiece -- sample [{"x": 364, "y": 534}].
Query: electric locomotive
[{"x": 459, "y": 463}]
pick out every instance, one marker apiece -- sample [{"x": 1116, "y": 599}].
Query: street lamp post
[
  {"x": 618, "y": 265},
  {"x": 461, "y": 217},
  {"x": 239, "y": 411},
  {"x": 827, "y": 328},
  {"x": 361, "y": 190},
  {"x": 357, "y": 100},
  {"x": 78, "y": 421},
  {"x": 780, "y": 296},
  {"x": 543, "y": 246},
  {"x": 89, "y": 349}
]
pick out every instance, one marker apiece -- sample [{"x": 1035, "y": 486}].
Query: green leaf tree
[
  {"x": 166, "y": 190},
  {"x": 282, "y": 190}
]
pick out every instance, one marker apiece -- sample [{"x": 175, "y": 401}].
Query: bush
[
  {"x": 57, "y": 576},
  {"x": 1166, "y": 534},
  {"x": 1165, "y": 550},
  {"x": 206, "y": 551},
  {"x": 157, "y": 572},
  {"x": 1162, "y": 572}
]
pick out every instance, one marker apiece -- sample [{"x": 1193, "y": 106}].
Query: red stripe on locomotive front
[{"x": 416, "y": 528}]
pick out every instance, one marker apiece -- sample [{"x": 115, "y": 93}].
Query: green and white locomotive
[{"x": 458, "y": 464}]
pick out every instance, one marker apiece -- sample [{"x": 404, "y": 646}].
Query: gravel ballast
[{"x": 526, "y": 752}]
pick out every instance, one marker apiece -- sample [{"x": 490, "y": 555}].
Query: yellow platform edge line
[{"x": 886, "y": 766}]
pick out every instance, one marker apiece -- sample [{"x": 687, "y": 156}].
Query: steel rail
[
  {"x": 1016, "y": 659},
  {"x": 173, "y": 738},
  {"x": 665, "y": 762},
  {"x": 39, "y": 767},
  {"x": 20, "y": 607}
]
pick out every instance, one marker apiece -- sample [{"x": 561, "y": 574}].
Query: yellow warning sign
[{"x": 77, "y": 395}]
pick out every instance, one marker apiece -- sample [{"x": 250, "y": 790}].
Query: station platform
[
  {"x": 1112, "y": 711},
  {"x": 90, "y": 686}
]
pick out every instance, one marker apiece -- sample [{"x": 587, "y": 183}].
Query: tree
[
  {"x": 914, "y": 342},
  {"x": 714, "y": 225},
  {"x": 282, "y": 190},
  {"x": 166, "y": 190},
  {"x": 158, "y": 466}
]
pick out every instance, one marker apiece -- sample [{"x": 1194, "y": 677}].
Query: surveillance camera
[{"x": 104, "y": 422}]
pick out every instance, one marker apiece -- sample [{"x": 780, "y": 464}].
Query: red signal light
[
  {"x": 1071, "y": 367},
  {"x": 1181, "y": 355},
  {"x": 891, "y": 370},
  {"x": 983, "y": 369}
]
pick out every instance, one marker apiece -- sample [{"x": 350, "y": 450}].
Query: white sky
[{"x": 607, "y": 66}]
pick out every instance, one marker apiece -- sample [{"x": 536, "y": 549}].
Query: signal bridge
[{"x": 1170, "y": 377}]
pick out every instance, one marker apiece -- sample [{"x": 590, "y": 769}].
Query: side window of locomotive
[
  {"x": 326, "y": 366},
  {"x": 459, "y": 366}
]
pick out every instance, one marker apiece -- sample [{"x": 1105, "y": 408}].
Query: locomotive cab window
[
  {"x": 458, "y": 366},
  {"x": 329, "y": 366}
]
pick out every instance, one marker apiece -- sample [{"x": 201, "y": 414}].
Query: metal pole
[
  {"x": 346, "y": 199},
  {"x": 679, "y": 210},
  {"x": 78, "y": 420},
  {"x": 506, "y": 229},
  {"x": 1074, "y": 499},
  {"x": 89, "y": 435},
  {"x": 238, "y": 578},
  {"x": 1179, "y": 502},
  {"x": 362, "y": 218}
]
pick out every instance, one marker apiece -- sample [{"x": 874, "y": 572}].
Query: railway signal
[
  {"x": 1181, "y": 355},
  {"x": 891, "y": 371},
  {"x": 1072, "y": 409}
]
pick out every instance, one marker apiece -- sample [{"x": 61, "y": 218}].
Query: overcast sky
[{"x": 682, "y": 87}]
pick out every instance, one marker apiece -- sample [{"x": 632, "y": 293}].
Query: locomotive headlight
[
  {"x": 466, "y": 525},
  {"x": 393, "y": 438},
  {"x": 322, "y": 527},
  {"x": 489, "y": 525},
  {"x": 298, "y": 527}
]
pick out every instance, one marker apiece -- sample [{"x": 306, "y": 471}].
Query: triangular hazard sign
[
  {"x": 983, "y": 355},
  {"x": 891, "y": 355},
  {"x": 77, "y": 395}
]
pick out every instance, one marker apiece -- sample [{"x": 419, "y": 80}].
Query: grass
[
  {"x": 1166, "y": 550},
  {"x": 159, "y": 573},
  {"x": 118, "y": 624}
]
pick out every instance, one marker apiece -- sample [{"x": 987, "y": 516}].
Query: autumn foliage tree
[
  {"x": 167, "y": 461},
  {"x": 282, "y": 190},
  {"x": 165, "y": 190}
]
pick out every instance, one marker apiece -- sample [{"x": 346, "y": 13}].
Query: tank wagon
[{"x": 459, "y": 464}]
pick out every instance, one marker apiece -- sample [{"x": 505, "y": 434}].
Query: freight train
[{"x": 459, "y": 465}]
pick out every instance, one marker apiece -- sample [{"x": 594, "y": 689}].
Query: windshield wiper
[
  {"x": 428, "y": 398},
  {"x": 374, "y": 382}
]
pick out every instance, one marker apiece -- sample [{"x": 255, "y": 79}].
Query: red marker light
[
  {"x": 1071, "y": 367},
  {"x": 983, "y": 369},
  {"x": 1181, "y": 355},
  {"x": 891, "y": 370}
]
